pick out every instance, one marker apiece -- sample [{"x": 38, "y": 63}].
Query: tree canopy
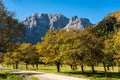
[{"x": 11, "y": 30}]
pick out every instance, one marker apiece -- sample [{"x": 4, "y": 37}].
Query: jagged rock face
[
  {"x": 58, "y": 21},
  {"x": 77, "y": 23},
  {"x": 38, "y": 24}
]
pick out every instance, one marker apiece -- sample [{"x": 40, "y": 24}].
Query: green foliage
[
  {"x": 108, "y": 56},
  {"x": 50, "y": 49},
  {"x": 116, "y": 46},
  {"x": 71, "y": 47},
  {"x": 14, "y": 77},
  {"x": 25, "y": 52},
  {"x": 117, "y": 41},
  {"x": 106, "y": 26},
  {"x": 11, "y": 30}
]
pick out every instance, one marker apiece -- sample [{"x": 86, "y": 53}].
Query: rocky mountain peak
[
  {"x": 73, "y": 18},
  {"x": 58, "y": 21},
  {"x": 38, "y": 24},
  {"x": 77, "y": 23}
]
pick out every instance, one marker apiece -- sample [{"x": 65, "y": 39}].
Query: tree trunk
[
  {"x": 93, "y": 70},
  {"x": 76, "y": 67},
  {"x": 119, "y": 67},
  {"x": 108, "y": 68},
  {"x": 112, "y": 67},
  {"x": 33, "y": 65},
  {"x": 104, "y": 67},
  {"x": 82, "y": 68},
  {"x": 16, "y": 65},
  {"x": 26, "y": 65},
  {"x": 71, "y": 66},
  {"x": 37, "y": 66},
  {"x": 7, "y": 65},
  {"x": 13, "y": 66},
  {"x": 58, "y": 66}
]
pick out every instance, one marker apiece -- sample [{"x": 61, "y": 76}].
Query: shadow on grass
[
  {"x": 35, "y": 69},
  {"x": 96, "y": 74},
  {"x": 3, "y": 75}
]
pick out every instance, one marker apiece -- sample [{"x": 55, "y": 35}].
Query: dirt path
[{"x": 46, "y": 76}]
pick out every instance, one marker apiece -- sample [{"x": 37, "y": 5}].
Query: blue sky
[{"x": 95, "y": 10}]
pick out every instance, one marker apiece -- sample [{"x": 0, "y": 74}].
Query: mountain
[
  {"x": 78, "y": 23},
  {"x": 38, "y": 24}
]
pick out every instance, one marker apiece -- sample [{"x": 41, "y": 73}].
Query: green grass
[
  {"x": 14, "y": 76},
  {"x": 66, "y": 70},
  {"x": 3, "y": 75},
  {"x": 34, "y": 78}
]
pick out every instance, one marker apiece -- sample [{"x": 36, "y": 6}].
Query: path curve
[{"x": 45, "y": 76}]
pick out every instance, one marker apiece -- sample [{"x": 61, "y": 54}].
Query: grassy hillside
[
  {"x": 116, "y": 15},
  {"x": 109, "y": 24}
]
